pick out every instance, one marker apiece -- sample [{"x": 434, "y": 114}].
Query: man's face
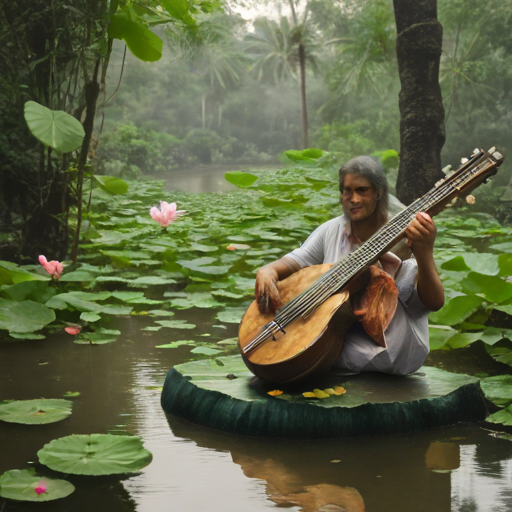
[{"x": 359, "y": 198}]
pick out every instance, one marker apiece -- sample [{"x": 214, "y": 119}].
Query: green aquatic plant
[
  {"x": 95, "y": 454},
  {"x": 35, "y": 412},
  {"x": 26, "y": 485}
]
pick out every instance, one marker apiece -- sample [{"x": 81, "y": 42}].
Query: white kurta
[{"x": 407, "y": 333}]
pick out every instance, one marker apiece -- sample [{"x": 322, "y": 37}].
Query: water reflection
[{"x": 194, "y": 469}]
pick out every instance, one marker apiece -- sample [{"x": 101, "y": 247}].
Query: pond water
[
  {"x": 461, "y": 468},
  {"x": 205, "y": 178},
  {"x": 457, "y": 469}
]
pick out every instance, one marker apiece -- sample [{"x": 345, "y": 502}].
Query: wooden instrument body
[{"x": 310, "y": 344}]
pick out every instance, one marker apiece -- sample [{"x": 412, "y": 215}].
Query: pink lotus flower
[
  {"x": 41, "y": 488},
  {"x": 54, "y": 268},
  {"x": 72, "y": 330},
  {"x": 166, "y": 214}
]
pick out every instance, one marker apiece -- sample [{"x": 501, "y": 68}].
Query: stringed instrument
[{"x": 303, "y": 338}]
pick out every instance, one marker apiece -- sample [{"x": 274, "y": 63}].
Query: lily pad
[
  {"x": 223, "y": 394},
  {"x": 26, "y": 485},
  {"x": 95, "y": 454},
  {"x": 503, "y": 417},
  {"x": 35, "y": 412},
  {"x": 498, "y": 389},
  {"x": 25, "y": 316}
]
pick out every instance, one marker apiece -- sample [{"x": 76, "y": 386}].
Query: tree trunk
[
  {"x": 92, "y": 90},
  {"x": 422, "y": 134},
  {"x": 203, "y": 111},
  {"x": 304, "y": 108}
]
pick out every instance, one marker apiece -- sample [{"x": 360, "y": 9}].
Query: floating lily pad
[
  {"x": 35, "y": 412},
  {"x": 498, "y": 389},
  {"x": 25, "y": 316},
  {"x": 503, "y": 417},
  {"x": 175, "y": 324},
  {"x": 224, "y": 395},
  {"x": 25, "y": 485},
  {"x": 95, "y": 454}
]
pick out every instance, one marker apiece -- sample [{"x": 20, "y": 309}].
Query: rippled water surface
[{"x": 194, "y": 469}]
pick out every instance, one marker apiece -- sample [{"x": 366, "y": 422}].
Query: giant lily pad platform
[{"x": 222, "y": 394}]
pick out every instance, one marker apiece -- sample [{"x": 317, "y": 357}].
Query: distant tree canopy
[{"x": 219, "y": 95}]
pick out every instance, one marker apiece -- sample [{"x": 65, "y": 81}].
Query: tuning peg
[{"x": 463, "y": 160}]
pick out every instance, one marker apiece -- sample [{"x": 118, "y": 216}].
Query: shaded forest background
[{"x": 229, "y": 92}]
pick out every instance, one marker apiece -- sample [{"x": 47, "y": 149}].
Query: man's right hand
[{"x": 266, "y": 291}]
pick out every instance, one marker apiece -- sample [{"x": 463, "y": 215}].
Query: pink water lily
[
  {"x": 72, "y": 330},
  {"x": 54, "y": 268},
  {"x": 166, "y": 214},
  {"x": 41, "y": 488}
]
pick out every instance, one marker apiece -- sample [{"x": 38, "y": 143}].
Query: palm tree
[
  {"x": 277, "y": 48},
  {"x": 214, "y": 54}
]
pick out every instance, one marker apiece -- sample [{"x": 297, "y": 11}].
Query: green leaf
[
  {"x": 439, "y": 336},
  {"x": 207, "y": 351},
  {"x": 54, "y": 128},
  {"x": 29, "y": 290},
  {"x": 500, "y": 354},
  {"x": 312, "y": 153},
  {"x": 176, "y": 344},
  {"x": 77, "y": 276},
  {"x": 175, "y": 324},
  {"x": 89, "y": 317},
  {"x": 111, "y": 184},
  {"x": 21, "y": 484},
  {"x": 498, "y": 389},
  {"x": 143, "y": 43},
  {"x": 25, "y": 316},
  {"x": 203, "y": 248},
  {"x": 494, "y": 288},
  {"x": 35, "y": 412},
  {"x": 503, "y": 417},
  {"x": 298, "y": 156},
  {"x": 463, "y": 339},
  {"x": 456, "y": 310},
  {"x": 95, "y": 454},
  {"x": 201, "y": 265},
  {"x": 240, "y": 179},
  {"x": 456, "y": 264},
  {"x": 231, "y": 315},
  {"x": 505, "y": 264},
  {"x": 26, "y": 336},
  {"x": 150, "y": 280}
]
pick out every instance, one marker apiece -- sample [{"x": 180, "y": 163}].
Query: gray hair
[{"x": 371, "y": 169}]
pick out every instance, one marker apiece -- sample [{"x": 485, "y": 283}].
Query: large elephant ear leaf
[
  {"x": 143, "y": 43},
  {"x": 26, "y": 485},
  {"x": 54, "y": 128},
  {"x": 95, "y": 454}
]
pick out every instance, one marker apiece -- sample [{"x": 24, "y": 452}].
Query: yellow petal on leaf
[
  {"x": 320, "y": 393},
  {"x": 309, "y": 394},
  {"x": 338, "y": 390},
  {"x": 275, "y": 392}
]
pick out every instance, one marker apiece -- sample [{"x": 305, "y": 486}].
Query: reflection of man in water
[{"x": 402, "y": 344}]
